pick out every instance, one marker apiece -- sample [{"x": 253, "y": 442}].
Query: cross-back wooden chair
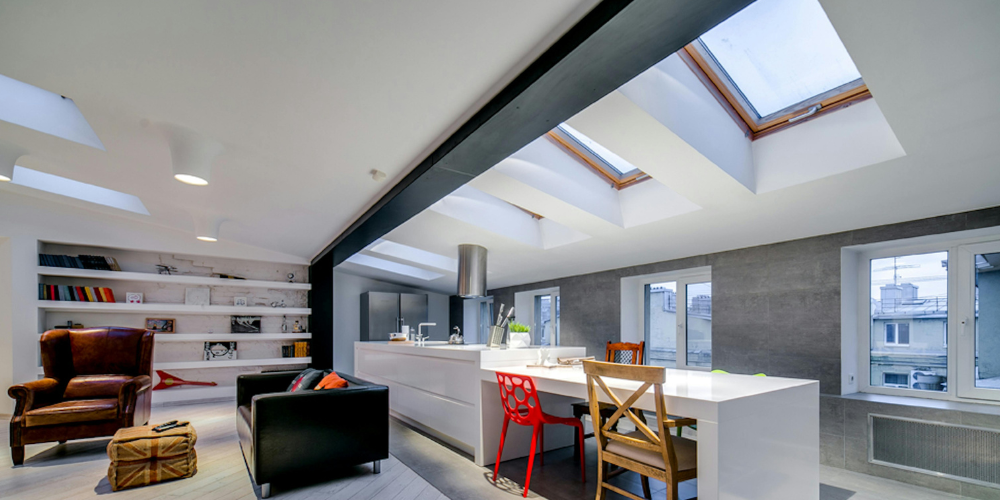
[
  {"x": 649, "y": 452},
  {"x": 620, "y": 352}
]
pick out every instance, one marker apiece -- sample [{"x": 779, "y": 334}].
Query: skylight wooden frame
[
  {"x": 714, "y": 79},
  {"x": 606, "y": 172}
]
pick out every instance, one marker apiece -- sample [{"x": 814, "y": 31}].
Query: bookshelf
[{"x": 182, "y": 353}]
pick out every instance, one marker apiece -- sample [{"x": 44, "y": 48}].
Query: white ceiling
[
  {"x": 306, "y": 97},
  {"x": 934, "y": 71}
]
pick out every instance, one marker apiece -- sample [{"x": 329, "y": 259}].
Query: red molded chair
[{"x": 525, "y": 409}]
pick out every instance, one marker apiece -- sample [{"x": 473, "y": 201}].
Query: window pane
[
  {"x": 988, "y": 321},
  {"x": 543, "y": 319},
  {"x": 555, "y": 338},
  {"x": 661, "y": 324},
  {"x": 699, "y": 324},
  {"x": 485, "y": 320},
  {"x": 780, "y": 53},
  {"x": 909, "y": 306}
]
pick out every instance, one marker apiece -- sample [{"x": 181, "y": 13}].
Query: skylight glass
[
  {"x": 47, "y": 112},
  {"x": 412, "y": 254},
  {"x": 393, "y": 267},
  {"x": 779, "y": 53},
  {"x": 617, "y": 163},
  {"x": 79, "y": 190}
]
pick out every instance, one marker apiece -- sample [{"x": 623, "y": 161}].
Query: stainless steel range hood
[{"x": 471, "y": 271}]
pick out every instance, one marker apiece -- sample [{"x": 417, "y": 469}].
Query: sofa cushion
[
  {"x": 331, "y": 381},
  {"x": 305, "y": 380},
  {"x": 95, "y": 386},
  {"x": 68, "y": 412}
]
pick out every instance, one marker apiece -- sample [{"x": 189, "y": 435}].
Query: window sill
[{"x": 982, "y": 407}]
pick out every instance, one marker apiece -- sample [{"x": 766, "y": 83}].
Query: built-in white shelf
[
  {"x": 193, "y": 393},
  {"x": 181, "y": 365},
  {"x": 121, "y": 307},
  {"x": 165, "y": 278},
  {"x": 228, "y": 337}
]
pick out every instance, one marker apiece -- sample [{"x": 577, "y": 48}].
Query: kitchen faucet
[{"x": 422, "y": 338}]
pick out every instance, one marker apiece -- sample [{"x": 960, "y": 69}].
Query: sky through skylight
[{"x": 780, "y": 53}]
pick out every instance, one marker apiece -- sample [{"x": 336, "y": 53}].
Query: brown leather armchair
[{"x": 97, "y": 381}]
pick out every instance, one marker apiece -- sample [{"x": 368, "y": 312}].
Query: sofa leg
[
  {"x": 265, "y": 490},
  {"x": 17, "y": 455},
  {"x": 377, "y": 467}
]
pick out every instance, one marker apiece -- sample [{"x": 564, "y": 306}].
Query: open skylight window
[
  {"x": 79, "y": 190},
  {"x": 393, "y": 267},
  {"x": 616, "y": 169},
  {"x": 412, "y": 254},
  {"x": 47, "y": 112},
  {"x": 778, "y": 62}
]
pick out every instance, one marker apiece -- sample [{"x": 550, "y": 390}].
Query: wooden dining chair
[
  {"x": 620, "y": 352},
  {"x": 649, "y": 452}
]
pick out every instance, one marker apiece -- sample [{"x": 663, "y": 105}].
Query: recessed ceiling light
[
  {"x": 4, "y": 178},
  {"x": 191, "y": 179},
  {"x": 208, "y": 238},
  {"x": 206, "y": 228},
  {"x": 9, "y": 154}
]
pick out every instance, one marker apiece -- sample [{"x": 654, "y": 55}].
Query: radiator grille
[{"x": 970, "y": 454}]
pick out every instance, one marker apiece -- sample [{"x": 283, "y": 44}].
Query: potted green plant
[{"x": 520, "y": 336}]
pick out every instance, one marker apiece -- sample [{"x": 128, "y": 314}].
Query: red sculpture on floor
[{"x": 167, "y": 381}]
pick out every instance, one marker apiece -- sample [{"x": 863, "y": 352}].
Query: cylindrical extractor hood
[{"x": 471, "y": 271}]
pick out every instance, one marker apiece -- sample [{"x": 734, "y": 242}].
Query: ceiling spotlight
[
  {"x": 378, "y": 175},
  {"x": 190, "y": 154},
  {"x": 9, "y": 153},
  {"x": 206, "y": 228}
]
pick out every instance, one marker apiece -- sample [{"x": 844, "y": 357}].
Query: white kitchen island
[{"x": 437, "y": 388}]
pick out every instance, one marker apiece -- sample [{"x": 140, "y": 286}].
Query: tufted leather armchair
[{"x": 97, "y": 381}]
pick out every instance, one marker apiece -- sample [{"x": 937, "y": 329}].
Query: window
[
  {"x": 485, "y": 321},
  {"x": 662, "y": 319},
  {"x": 983, "y": 316},
  {"x": 546, "y": 319},
  {"x": 908, "y": 298},
  {"x": 900, "y": 380},
  {"x": 776, "y": 63},
  {"x": 613, "y": 168},
  {"x": 897, "y": 334}
]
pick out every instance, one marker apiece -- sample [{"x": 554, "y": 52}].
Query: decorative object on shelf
[
  {"x": 519, "y": 337},
  {"x": 200, "y": 296},
  {"x": 244, "y": 324},
  {"x": 218, "y": 351},
  {"x": 228, "y": 276},
  {"x": 133, "y": 298},
  {"x": 291, "y": 277},
  {"x": 284, "y": 324},
  {"x": 167, "y": 381},
  {"x": 278, "y": 304},
  {"x": 71, "y": 325},
  {"x": 301, "y": 349},
  {"x": 297, "y": 328},
  {"x": 167, "y": 270},
  {"x": 160, "y": 325},
  {"x": 240, "y": 301},
  {"x": 75, "y": 293}
]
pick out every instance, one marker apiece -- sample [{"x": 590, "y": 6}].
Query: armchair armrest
[
  {"x": 128, "y": 392},
  {"x": 34, "y": 394},
  {"x": 250, "y": 385}
]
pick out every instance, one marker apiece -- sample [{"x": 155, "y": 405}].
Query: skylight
[
  {"x": 47, "y": 112},
  {"x": 777, "y": 58},
  {"x": 412, "y": 254},
  {"x": 79, "y": 190},
  {"x": 620, "y": 172},
  {"x": 393, "y": 267}
]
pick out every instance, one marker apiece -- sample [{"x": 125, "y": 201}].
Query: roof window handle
[{"x": 807, "y": 114}]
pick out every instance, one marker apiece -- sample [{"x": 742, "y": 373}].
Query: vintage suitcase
[{"x": 140, "y": 456}]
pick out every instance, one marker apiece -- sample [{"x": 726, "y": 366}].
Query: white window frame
[
  {"x": 961, "y": 346},
  {"x": 895, "y": 334},
  {"x": 637, "y": 287}
]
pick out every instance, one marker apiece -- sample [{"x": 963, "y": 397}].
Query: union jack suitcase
[{"x": 140, "y": 456}]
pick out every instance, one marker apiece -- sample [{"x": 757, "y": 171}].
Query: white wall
[
  {"x": 26, "y": 221},
  {"x": 347, "y": 290}
]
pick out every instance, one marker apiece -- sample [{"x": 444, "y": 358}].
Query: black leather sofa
[{"x": 309, "y": 434}]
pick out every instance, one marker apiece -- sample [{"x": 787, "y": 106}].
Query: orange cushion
[{"x": 331, "y": 381}]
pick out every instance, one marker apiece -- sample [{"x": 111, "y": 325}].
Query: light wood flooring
[{"x": 78, "y": 470}]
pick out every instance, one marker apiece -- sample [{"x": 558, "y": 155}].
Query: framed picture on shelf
[
  {"x": 133, "y": 298},
  {"x": 220, "y": 351},
  {"x": 244, "y": 324},
  {"x": 160, "y": 325},
  {"x": 197, "y": 296}
]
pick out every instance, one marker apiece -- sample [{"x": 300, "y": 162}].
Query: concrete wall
[
  {"x": 347, "y": 290},
  {"x": 776, "y": 308}
]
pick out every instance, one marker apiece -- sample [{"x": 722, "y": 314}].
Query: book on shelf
[
  {"x": 300, "y": 349},
  {"x": 75, "y": 293},
  {"x": 92, "y": 262}
]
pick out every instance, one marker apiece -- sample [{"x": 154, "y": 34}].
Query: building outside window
[
  {"x": 680, "y": 305},
  {"x": 546, "y": 321}
]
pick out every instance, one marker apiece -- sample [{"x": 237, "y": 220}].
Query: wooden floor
[{"x": 78, "y": 470}]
